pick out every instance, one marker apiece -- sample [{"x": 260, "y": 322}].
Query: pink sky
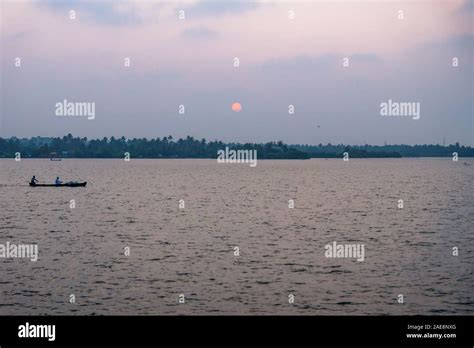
[{"x": 84, "y": 58}]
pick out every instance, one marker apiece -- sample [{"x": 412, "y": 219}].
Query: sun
[{"x": 236, "y": 107}]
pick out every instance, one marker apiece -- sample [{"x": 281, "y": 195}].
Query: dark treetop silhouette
[{"x": 76, "y": 147}]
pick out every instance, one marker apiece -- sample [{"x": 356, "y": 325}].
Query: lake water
[{"x": 190, "y": 251}]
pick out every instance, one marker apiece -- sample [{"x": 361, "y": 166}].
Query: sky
[{"x": 290, "y": 53}]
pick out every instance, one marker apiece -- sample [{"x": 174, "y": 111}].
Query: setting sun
[{"x": 236, "y": 107}]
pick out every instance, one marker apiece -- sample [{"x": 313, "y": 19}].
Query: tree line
[
  {"x": 168, "y": 147},
  {"x": 387, "y": 150}
]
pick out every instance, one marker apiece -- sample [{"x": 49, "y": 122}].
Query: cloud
[
  {"x": 17, "y": 36},
  {"x": 218, "y": 8},
  {"x": 467, "y": 7},
  {"x": 454, "y": 43},
  {"x": 462, "y": 41},
  {"x": 199, "y": 33},
  {"x": 300, "y": 62},
  {"x": 365, "y": 58},
  {"x": 103, "y": 12},
  {"x": 305, "y": 63}
]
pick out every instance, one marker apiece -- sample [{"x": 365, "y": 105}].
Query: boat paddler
[
  {"x": 33, "y": 180},
  {"x": 58, "y": 182}
]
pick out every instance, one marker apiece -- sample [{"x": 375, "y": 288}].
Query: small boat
[
  {"x": 66, "y": 184},
  {"x": 53, "y": 156}
]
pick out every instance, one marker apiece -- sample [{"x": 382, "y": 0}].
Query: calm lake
[{"x": 281, "y": 250}]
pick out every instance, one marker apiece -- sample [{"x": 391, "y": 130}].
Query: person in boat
[
  {"x": 58, "y": 182},
  {"x": 33, "y": 180}
]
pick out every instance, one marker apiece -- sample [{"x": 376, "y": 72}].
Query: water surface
[{"x": 190, "y": 251}]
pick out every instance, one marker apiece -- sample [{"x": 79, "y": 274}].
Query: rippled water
[{"x": 191, "y": 251}]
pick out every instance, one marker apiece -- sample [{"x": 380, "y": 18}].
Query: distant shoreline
[{"x": 190, "y": 148}]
